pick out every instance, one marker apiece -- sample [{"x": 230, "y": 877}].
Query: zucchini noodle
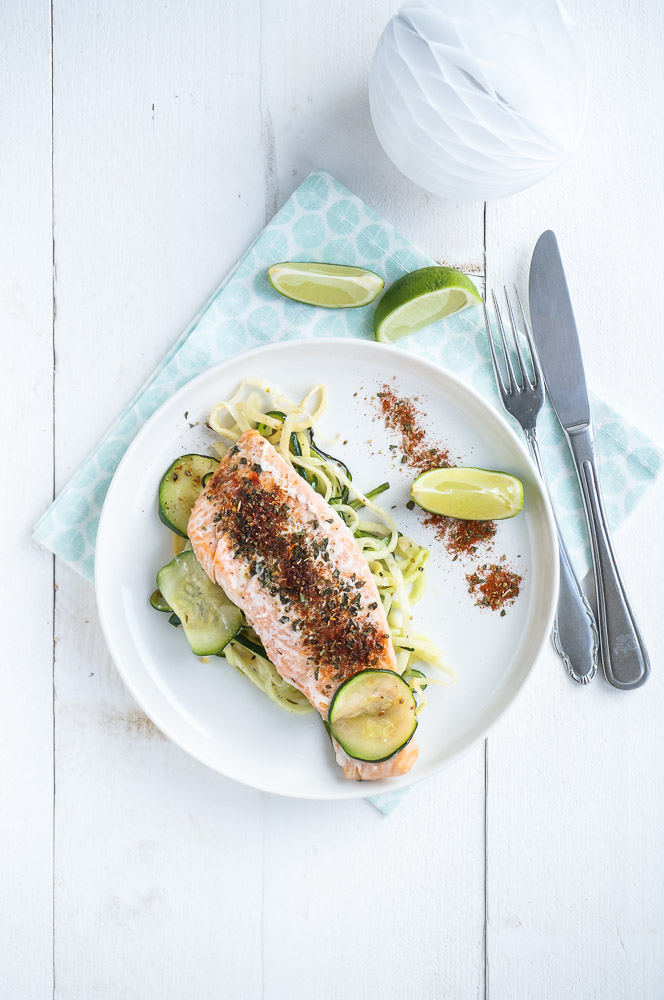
[
  {"x": 265, "y": 676},
  {"x": 397, "y": 563}
]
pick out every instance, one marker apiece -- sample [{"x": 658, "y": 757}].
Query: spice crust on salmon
[{"x": 286, "y": 558}]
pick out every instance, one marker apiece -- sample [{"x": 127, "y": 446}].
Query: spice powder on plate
[
  {"x": 402, "y": 416},
  {"x": 494, "y": 586},
  {"x": 461, "y": 537}
]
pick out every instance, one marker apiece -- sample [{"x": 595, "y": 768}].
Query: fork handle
[
  {"x": 574, "y": 633},
  {"x": 624, "y": 656}
]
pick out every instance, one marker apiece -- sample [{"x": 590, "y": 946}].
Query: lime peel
[
  {"x": 331, "y": 286},
  {"x": 420, "y": 298},
  {"x": 469, "y": 494}
]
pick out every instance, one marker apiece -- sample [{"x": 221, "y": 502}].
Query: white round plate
[{"x": 216, "y": 714}]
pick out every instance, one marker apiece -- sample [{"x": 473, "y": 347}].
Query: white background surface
[{"x": 143, "y": 147}]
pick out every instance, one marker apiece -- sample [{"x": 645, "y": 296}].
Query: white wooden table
[{"x": 143, "y": 147}]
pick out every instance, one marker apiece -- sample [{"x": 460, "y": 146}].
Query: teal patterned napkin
[{"x": 323, "y": 221}]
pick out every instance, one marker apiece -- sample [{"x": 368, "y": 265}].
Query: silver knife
[{"x": 624, "y": 656}]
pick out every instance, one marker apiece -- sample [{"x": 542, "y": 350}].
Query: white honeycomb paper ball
[{"x": 478, "y": 99}]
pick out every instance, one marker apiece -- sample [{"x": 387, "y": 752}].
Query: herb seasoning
[
  {"x": 402, "y": 416},
  {"x": 494, "y": 586},
  {"x": 297, "y": 567},
  {"x": 461, "y": 537}
]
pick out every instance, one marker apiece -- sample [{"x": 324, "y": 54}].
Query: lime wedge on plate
[
  {"x": 419, "y": 299},
  {"x": 469, "y": 494},
  {"x": 333, "y": 286}
]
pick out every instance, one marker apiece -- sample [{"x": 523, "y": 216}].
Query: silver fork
[{"x": 575, "y": 636}]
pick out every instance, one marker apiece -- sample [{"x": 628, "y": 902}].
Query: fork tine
[
  {"x": 513, "y": 384},
  {"x": 525, "y": 380},
  {"x": 494, "y": 357},
  {"x": 537, "y": 368}
]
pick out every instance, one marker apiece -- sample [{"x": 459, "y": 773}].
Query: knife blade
[
  {"x": 624, "y": 656},
  {"x": 556, "y": 335}
]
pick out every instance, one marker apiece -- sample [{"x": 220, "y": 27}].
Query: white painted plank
[
  {"x": 144, "y": 228},
  {"x": 357, "y": 905},
  {"x": 315, "y": 66},
  {"x": 604, "y": 204},
  {"x": 152, "y": 207},
  {"x": 158, "y": 860},
  {"x": 26, "y": 585},
  {"x": 575, "y": 803}
]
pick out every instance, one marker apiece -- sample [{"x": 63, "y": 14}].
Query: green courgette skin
[
  {"x": 413, "y": 674},
  {"x": 158, "y": 603},
  {"x": 251, "y": 646},
  {"x": 337, "y": 701},
  {"x": 330, "y": 458},
  {"x": 180, "y": 488},
  {"x": 208, "y": 618},
  {"x": 265, "y": 429},
  {"x": 371, "y": 495}
]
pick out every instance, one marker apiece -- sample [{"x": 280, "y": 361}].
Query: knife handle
[
  {"x": 624, "y": 656},
  {"x": 574, "y": 634}
]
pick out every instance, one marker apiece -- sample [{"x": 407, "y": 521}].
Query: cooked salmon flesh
[{"x": 287, "y": 559}]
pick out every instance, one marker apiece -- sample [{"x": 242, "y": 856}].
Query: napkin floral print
[{"x": 323, "y": 221}]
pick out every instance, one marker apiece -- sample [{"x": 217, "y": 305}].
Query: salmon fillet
[{"x": 287, "y": 559}]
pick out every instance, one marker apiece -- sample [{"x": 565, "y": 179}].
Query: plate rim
[{"x": 353, "y": 790}]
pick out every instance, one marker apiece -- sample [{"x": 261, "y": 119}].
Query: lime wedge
[
  {"x": 419, "y": 299},
  {"x": 469, "y": 494},
  {"x": 333, "y": 286}
]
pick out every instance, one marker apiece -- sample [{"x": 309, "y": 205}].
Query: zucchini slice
[
  {"x": 158, "y": 603},
  {"x": 180, "y": 487},
  {"x": 372, "y": 715},
  {"x": 208, "y": 618}
]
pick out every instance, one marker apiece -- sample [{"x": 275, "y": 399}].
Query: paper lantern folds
[{"x": 477, "y": 99}]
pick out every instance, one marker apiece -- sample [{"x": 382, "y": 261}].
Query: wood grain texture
[
  {"x": 153, "y": 205},
  {"x": 158, "y": 870},
  {"x": 26, "y": 584},
  {"x": 328, "y": 889},
  {"x": 178, "y": 129},
  {"x": 355, "y": 905},
  {"x": 315, "y": 67},
  {"x": 575, "y": 808},
  {"x": 158, "y": 861}
]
